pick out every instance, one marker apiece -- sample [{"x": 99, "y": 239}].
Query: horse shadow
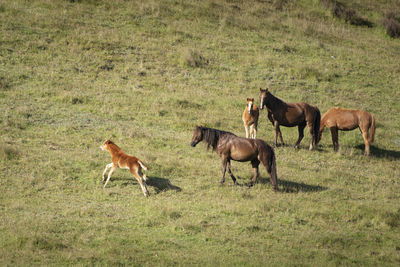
[
  {"x": 381, "y": 153},
  {"x": 286, "y": 186},
  {"x": 161, "y": 184},
  {"x": 294, "y": 187}
]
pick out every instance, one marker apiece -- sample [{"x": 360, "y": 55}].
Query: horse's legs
[
  {"x": 143, "y": 175},
  {"x": 230, "y": 172},
  {"x": 253, "y": 131},
  {"x": 301, "y": 134},
  {"x": 366, "y": 142},
  {"x": 224, "y": 163},
  {"x": 141, "y": 182},
  {"x": 280, "y": 136},
  {"x": 105, "y": 170},
  {"x": 335, "y": 138},
  {"x": 277, "y": 130},
  {"x": 311, "y": 130},
  {"x": 246, "y": 128},
  {"x": 109, "y": 175},
  {"x": 269, "y": 163},
  {"x": 256, "y": 173}
]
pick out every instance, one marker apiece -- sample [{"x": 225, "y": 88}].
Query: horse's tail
[
  {"x": 372, "y": 133},
  {"x": 142, "y": 165},
  {"x": 317, "y": 123},
  {"x": 272, "y": 169}
]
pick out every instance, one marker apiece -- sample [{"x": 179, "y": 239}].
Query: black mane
[
  {"x": 273, "y": 100},
  {"x": 211, "y": 136}
]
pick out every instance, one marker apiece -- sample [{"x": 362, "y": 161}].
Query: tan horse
[
  {"x": 124, "y": 161},
  {"x": 290, "y": 115},
  {"x": 250, "y": 118},
  {"x": 346, "y": 120},
  {"x": 231, "y": 147}
]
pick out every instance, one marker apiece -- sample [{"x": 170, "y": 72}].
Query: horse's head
[
  {"x": 250, "y": 102},
  {"x": 319, "y": 138},
  {"x": 263, "y": 97},
  {"x": 321, "y": 129},
  {"x": 106, "y": 144},
  {"x": 197, "y": 136}
]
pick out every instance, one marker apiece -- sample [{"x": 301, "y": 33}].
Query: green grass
[{"x": 74, "y": 73}]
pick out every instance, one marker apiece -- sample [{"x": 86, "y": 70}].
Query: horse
[
  {"x": 290, "y": 115},
  {"x": 250, "y": 118},
  {"x": 346, "y": 120},
  {"x": 122, "y": 160},
  {"x": 231, "y": 147}
]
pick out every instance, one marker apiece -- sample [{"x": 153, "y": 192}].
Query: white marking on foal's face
[
  {"x": 103, "y": 146},
  {"x": 249, "y": 105}
]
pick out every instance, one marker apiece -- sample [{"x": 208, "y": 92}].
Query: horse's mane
[
  {"x": 211, "y": 136},
  {"x": 274, "y": 100},
  {"x": 113, "y": 146}
]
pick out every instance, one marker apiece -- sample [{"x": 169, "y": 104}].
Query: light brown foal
[
  {"x": 346, "y": 120},
  {"x": 250, "y": 118},
  {"x": 124, "y": 161}
]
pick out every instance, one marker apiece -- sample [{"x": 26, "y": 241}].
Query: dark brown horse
[
  {"x": 290, "y": 115},
  {"x": 231, "y": 147},
  {"x": 346, "y": 120}
]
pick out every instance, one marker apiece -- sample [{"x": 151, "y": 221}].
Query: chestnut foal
[
  {"x": 250, "y": 118},
  {"x": 122, "y": 160}
]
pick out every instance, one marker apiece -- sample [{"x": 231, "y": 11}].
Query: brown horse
[
  {"x": 231, "y": 147},
  {"x": 122, "y": 160},
  {"x": 289, "y": 115},
  {"x": 250, "y": 118},
  {"x": 346, "y": 120}
]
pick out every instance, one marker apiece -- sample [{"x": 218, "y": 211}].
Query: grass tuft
[
  {"x": 9, "y": 153},
  {"x": 282, "y": 5},
  {"x": 47, "y": 244},
  {"x": 393, "y": 219},
  {"x": 193, "y": 58},
  {"x": 391, "y": 23},
  {"x": 4, "y": 83},
  {"x": 349, "y": 15}
]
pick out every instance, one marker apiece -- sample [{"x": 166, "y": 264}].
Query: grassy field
[{"x": 145, "y": 73}]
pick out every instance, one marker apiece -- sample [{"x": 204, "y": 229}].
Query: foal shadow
[
  {"x": 294, "y": 187},
  {"x": 162, "y": 184},
  {"x": 381, "y": 153}
]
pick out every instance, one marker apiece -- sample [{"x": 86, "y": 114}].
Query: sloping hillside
[{"x": 145, "y": 73}]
